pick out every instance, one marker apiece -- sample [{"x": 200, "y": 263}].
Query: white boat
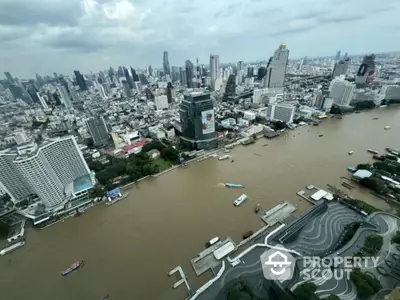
[
  {"x": 372, "y": 151},
  {"x": 227, "y": 151},
  {"x": 212, "y": 241},
  {"x": 387, "y": 127},
  {"x": 240, "y": 200},
  {"x": 351, "y": 152},
  {"x": 12, "y": 248},
  {"x": 223, "y": 157}
]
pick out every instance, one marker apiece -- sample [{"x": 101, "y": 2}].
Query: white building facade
[{"x": 281, "y": 112}]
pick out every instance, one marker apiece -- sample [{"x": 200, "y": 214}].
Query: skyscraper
[
  {"x": 341, "y": 91},
  {"x": 80, "y": 81},
  {"x": 366, "y": 72},
  {"x": 182, "y": 77},
  {"x": 166, "y": 63},
  {"x": 135, "y": 76},
  {"x": 230, "y": 89},
  {"x": 198, "y": 121},
  {"x": 66, "y": 101},
  {"x": 10, "y": 79},
  {"x": 127, "y": 90},
  {"x": 276, "y": 69},
  {"x": 56, "y": 172},
  {"x": 337, "y": 57},
  {"x": 128, "y": 78},
  {"x": 214, "y": 69},
  {"x": 169, "y": 92},
  {"x": 341, "y": 68},
  {"x": 97, "y": 128},
  {"x": 189, "y": 74}
]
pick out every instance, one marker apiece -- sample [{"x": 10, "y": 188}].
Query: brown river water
[{"x": 130, "y": 247}]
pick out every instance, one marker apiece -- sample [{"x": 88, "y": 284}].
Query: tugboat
[
  {"x": 257, "y": 208},
  {"x": 72, "y": 268}
]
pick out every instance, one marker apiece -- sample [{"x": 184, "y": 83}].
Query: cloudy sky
[{"x": 47, "y": 36}]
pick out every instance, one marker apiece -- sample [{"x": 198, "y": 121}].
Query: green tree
[
  {"x": 95, "y": 166},
  {"x": 96, "y": 191},
  {"x": 153, "y": 145},
  {"x": 4, "y": 230},
  {"x": 396, "y": 238},
  {"x": 332, "y": 297},
  {"x": 366, "y": 285},
  {"x": 364, "y": 167},
  {"x": 306, "y": 291},
  {"x": 170, "y": 154},
  {"x": 372, "y": 245}
]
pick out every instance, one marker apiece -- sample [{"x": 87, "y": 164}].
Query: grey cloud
[
  {"x": 17, "y": 13},
  {"x": 75, "y": 41}
]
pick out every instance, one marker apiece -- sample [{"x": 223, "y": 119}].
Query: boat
[
  {"x": 227, "y": 151},
  {"x": 376, "y": 118},
  {"x": 315, "y": 124},
  {"x": 240, "y": 200},
  {"x": 339, "y": 117},
  {"x": 321, "y": 135},
  {"x": 257, "y": 208},
  {"x": 223, "y": 157},
  {"x": 393, "y": 151},
  {"x": 387, "y": 127},
  {"x": 372, "y": 151},
  {"x": 378, "y": 157},
  {"x": 346, "y": 185},
  {"x": 351, "y": 152},
  {"x": 357, "y": 111},
  {"x": 248, "y": 234},
  {"x": 234, "y": 185},
  {"x": 352, "y": 170},
  {"x": 12, "y": 247},
  {"x": 212, "y": 241},
  {"x": 72, "y": 268}
]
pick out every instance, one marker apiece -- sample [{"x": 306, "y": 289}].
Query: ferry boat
[
  {"x": 351, "y": 152},
  {"x": 372, "y": 151},
  {"x": 223, "y": 157},
  {"x": 12, "y": 248},
  {"x": 393, "y": 151},
  {"x": 234, "y": 185},
  {"x": 240, "y": 200},
  {"x": 212, "y": 241},
  {"x": 72, "y": 268}
]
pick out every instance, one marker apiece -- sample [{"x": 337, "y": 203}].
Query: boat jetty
[
  {"x": 115, "y": 196},
  {"x": 12, "y": 247}
]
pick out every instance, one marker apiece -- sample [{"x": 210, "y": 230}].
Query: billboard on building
[{"x": 208, "y": 121}]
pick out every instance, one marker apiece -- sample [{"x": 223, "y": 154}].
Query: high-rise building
[
  {"x": 250, "y": 72},
  {"x": 230, "y": 88},
  {"x": 345, "y": 55},
  {"x": 276, "y": 69},
  {"x": 161, "y": 102},
  {"x": 366, "y": 72},
  {"x": 128, "y": 78},
  {"x": 337, "y": 57},
  {"x": 135, "y": 76},
  {"x": 42, "y": 101},
  {"x": 74, "y": 95},
  {"x": 281, "y": 112},
  {"x": 169, "y": 92},
  {"x": 98, "y": 130},
  {"x": 127, "y": 90},
  {"x": 341, "y": 68},
  {"x": 166, "y": 63},
  {"x": 198, "y": 121},
  {"x": 182, "y": 77},
  {"x": 10, "y": 79},
  {"x": 341, "y": 91},
  {"x": 239, "y": 66},
  {"x": 56, "y": 172},
  {"x": 66, "y": 101},
  {"x": 189, "y": 74},
  {"x": 214, "y": 69},
  {"x": 80, "y": 81},
  {"x": 261, "y": 72}
]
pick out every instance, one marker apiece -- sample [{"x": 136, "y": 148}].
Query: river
[{"x": 128, "y": 248}]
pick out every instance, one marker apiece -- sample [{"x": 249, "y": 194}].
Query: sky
[{"x": 46, "y": 36}]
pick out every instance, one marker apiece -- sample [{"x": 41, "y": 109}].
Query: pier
[
  {"x": 278, "y": 213},
  {"x": 182, "y": 280}
]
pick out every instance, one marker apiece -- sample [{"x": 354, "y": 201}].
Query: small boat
[
  {"x": 212, "y": 241},
  {"x": 321, "y": 135},
  {"x": 315, "y": 124},
  {"x": 351, "y": 152},
  {"x": 265, "y": 145},
  {"x": 232, "y": 160},
  {"x": 240, "y": 200},
  {"x": 72, "y": 268},
  {"x": 391, "y": 150},
  {"x": 372, "y": 151},
  {"x": 387, "y": 127},
  {"x": 352, "y": 170},
  {"x": 378, "y": 157},
  {"x": 227, "y": 151},
  {"x": 257, "y": 208},
  {"x": 248, "y": 234},
  {"x": 357, "y": 111},
  {"x": 376, "y": 118},
  {"x": 234, "y": 185},
  {"x": 223, "y": 157}
]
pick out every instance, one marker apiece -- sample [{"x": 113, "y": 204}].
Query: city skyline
[{"x": 92, "y": 35}]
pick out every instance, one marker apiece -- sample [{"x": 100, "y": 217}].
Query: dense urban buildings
[
  {"x": 341, "y": 67},
  {"x": 198, "y": 121}
]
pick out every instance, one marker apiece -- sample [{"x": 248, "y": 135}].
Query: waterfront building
[
  {"x": 98, "y": 130},
  {"x": 391, "y": 92},
  {"x": 341, "y": 91},
  {"x": 276, "y": 69},
  {"x": 366, "y": 71},
  {"x": 281, "y": 112},
  {"x": 55, "y": 171},
  {"x": 198, "y": 121}
]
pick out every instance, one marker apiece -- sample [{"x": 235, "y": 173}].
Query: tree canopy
[{"x": 366, "y": 284}]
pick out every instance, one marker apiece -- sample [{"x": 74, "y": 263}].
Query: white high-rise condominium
[
  {"x": 56, "y": 172},
  {"x": 341, "y": 91},
  {"x": 214, "y": 69},
  {"x": 281, "y": 112},
  {"x": 276, "y": 69}
]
